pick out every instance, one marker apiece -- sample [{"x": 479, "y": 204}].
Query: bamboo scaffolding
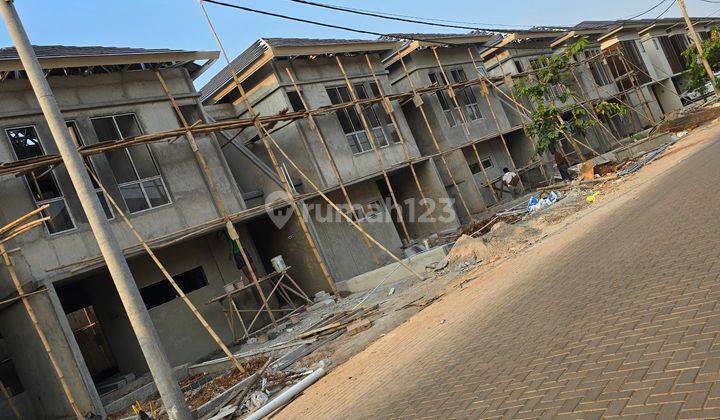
[
  {"x": 215, "y": 194},
  {"x": 420, "y": 105},
  {"x": 374, "y": 144},
  {"x": 334, "y": 206},
  {"x": 316, "y": 129},
  {"x": 466, "y": 126},
  {"x": 8, "y": 262},
  {"x": 515, "y": 103},
  {"x": 167, "y": 275},
  {"x": 486, "y": 94},
  {"x": 406, "y": 153},
  {"x": 591, "y": 109},
  {"x": 636, "y": 83},
  {"x": 258, "y": 124}
]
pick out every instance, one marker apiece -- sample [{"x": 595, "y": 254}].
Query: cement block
[
  {"x": 144, "y": 392},
  {"x": 392, "y": 273}
]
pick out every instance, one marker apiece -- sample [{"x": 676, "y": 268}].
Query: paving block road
[{"x": 622, "y": 319}]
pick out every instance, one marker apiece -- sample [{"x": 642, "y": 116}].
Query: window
[
  {"x": 356, "y": 136},
  {"x": 655, "y": 43},
  {"x": 42, "y": 182},
  {"x": 518, "y": 66},
  {"x": 640, "y": 46},
  {"x": 487, "y": 163},
  {"x": 598, "y": 67},
  {"x": 466, "y": 96},
  {"x": 375, "y": 113},
  {"x": 162, "y": 292},
  {"x": 371, "y": 210},
  {"x": 77, "y": 139},
  {"x": 295, "y": 102},
  {"x": 452, "y": 114},
  {"x": 138, "y": 178}
]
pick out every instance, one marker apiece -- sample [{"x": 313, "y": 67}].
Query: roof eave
[{"x": 14, "y": 64}]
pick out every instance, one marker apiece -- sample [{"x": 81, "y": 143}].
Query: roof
[
  {"x": 290, "y": 47},
  {"x": 65, "y": 56},
  {"x": 413, "y": 41},
  {"x": 524, "y": 35}
]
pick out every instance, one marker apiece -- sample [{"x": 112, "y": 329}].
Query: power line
[
  {"x": 345, "y": 28},
  {"x": 401, "y": 18}
]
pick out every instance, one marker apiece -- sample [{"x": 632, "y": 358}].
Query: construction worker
[
  {"x": 562, "y": 165},
  {"x": 511, "y": 180}
]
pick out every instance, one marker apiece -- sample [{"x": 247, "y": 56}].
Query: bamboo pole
[
  {"x": 43, "y": 339},
  {"x": 374, "y": 145},
  {"x": 466, "y": 128},
  {"x": 333, "y": 164},
  {"x": 260, "y": 130},
  {"x": 167, "y": 276},
  {"x": 391, "y": 113},
  {"x": 9, "y": 401},
  {"x": 215, "y": 194},
  {"x": 420, "y": 107}
]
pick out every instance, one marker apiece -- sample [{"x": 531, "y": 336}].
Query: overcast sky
[{"x": 179, "y": 23}]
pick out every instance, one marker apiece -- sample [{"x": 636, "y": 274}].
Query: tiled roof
[
  {"x": 258, "y": 48},
  {"x": 48, "y": 51}
]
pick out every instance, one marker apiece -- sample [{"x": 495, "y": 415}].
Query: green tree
[
  {"x": 697, "y": 76},
  {"x": 550, "y": 118}
]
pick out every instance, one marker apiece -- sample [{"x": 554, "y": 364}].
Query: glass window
[
  {"x": 466, "y": 96},
  {"x": 77, "y": 139},
  {"x": 295, "y": 102},
  {"x": 350, "y": 122},
  {"x": 134, "y": 168},
  {"x": 451, "y": 113},
  {"x": 42, "y": 182}
]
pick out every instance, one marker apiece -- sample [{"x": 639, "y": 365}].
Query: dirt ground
[{"x": 532, "y": 241}]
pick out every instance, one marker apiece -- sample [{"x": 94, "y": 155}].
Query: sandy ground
[{"x": 478, "y": 287}]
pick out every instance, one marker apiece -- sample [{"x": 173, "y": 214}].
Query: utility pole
[
  {"x": 138, "y": 315},
  {"x": 698, "y": 45}
]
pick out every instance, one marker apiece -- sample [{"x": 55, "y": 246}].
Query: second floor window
[
  {"x": 356, "y": 136},
  {"x": 78, "y": 140},
  {"x": 466, "y": 97},
  {"x": 598, "y": 68},
  {"x": 452, "y": 114},
  {"x": 42, "y": 182},
  {"x": 136, "y": 173}
]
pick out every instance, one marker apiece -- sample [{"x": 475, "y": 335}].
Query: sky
[{"x": 179, "y": 24}]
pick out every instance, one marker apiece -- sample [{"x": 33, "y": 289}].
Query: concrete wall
[
  {"x": 42, "y": 386},
  {"x": 100, "y": 95},
  {"x": 344, "y": 246},
  {"x": 181, "y": 334}
]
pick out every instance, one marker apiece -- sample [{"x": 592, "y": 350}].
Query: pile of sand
[{"x": 467, "y": 250}]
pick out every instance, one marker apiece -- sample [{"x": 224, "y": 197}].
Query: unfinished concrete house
[
  {"x": 595, "y": 81},
  {"x": 518, "y": 55},
  {"x": 665, "y": 41},
  {"x": 106, "y": 95},
  {"x": 355, "y": 146},
  {"x": 470, "y": 131},
  {"x": 648, "y": 88}
]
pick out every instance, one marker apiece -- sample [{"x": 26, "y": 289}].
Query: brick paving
[{"x": 623, "y": 321}]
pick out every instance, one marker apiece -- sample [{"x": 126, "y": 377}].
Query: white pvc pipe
[{"x": 286, "y": 395}]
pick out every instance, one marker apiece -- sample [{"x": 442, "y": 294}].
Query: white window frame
[
  {"x": 98, "y": 190},
  {"x": 51, "y": 173},
  {"x": 139, "y": 181},
  {"x": 353, "y": 138}
]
